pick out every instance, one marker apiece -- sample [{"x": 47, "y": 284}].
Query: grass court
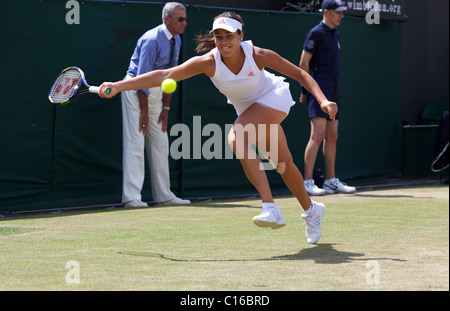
[{"x": 391, "y": 239}]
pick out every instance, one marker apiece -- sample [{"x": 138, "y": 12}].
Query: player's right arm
[
  {"x": 270, "y": 59},
  {"x": 192, "y": 67}
]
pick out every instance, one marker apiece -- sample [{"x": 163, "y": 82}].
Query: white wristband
[{"x": 167, "y": 108}]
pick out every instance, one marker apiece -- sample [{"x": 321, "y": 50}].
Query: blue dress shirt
[{"x": 153, "y": 51}]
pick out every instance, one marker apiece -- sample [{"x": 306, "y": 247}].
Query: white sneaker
[
  {"x": 135, "y": 203},
  {"x": 312, "y": 189},
  {"x": 313, "y": 223},
  {"x": 337, "y": 186},
  {"x": 270, "y": 216},
  {"x": 176, "y": 201}
]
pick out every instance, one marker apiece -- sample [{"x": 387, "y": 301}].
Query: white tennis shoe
[
  {"x": 313, "y": 222},
  {"x": 337, "y": 186},
  {"x": 312, "y": 189},
  {"x": 135, "y": 203},
  {"x": 270, "y": 216},
  {"x": 175, "y": 201}
]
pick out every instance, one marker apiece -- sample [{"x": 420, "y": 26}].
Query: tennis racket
[{"x": 69, "y": 84}]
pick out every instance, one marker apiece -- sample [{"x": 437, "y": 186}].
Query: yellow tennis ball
[{"x": 169, "y": 86}]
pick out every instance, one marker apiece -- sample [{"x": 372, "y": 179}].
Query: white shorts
[{"x": 279, "y": 97}]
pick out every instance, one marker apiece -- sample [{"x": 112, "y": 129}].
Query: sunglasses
[{"x": 181, "y": 19}]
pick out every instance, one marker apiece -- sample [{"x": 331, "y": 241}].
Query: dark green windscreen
[{"x": 72, "y": 155}]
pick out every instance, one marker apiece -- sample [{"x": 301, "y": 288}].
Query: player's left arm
[{"x": 270, "y": 59}]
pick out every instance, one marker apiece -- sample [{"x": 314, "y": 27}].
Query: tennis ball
[{"x": 169, "y": 86}]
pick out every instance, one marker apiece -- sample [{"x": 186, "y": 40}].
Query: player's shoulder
[
  {"x": 262, "y": 52},
  {"x": 265, "y": 57},
  {"x": 206, "y": 58},
  {"x": 207, "y": 63},
  {"x": 204, "y": 63}
]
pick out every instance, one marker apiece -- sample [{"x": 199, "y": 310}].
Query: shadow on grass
[
  {"x": 320, "y": 253},
  {"x": 84, "y": 210},
  {"x": 389, "y": 196}
]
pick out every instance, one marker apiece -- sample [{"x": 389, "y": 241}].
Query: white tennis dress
[{"x": 251, "y": 85}]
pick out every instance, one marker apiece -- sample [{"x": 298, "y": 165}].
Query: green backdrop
[{"x": 72, "y": 155}]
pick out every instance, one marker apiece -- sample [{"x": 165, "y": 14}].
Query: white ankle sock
[
  {"x": 267, "y": 205},
  {"x": 310, "y": 210}
]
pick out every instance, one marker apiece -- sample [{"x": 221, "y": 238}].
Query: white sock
[
  {"x": 310, "y": 210},
  {"x": 267, "y": 205},
  {"x": 329, "y": 181}
]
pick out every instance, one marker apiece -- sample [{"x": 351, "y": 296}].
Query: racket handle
[{"x": 96, "y": 89}]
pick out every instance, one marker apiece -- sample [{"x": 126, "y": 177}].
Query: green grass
[
  {"x": 13, "y": 230},
  {"x": 375, "y": 240}
]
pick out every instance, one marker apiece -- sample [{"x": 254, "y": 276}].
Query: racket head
[{"x": 66, "y": 86}]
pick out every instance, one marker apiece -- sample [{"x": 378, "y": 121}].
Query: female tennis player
[{"x": 236, "y": 68}]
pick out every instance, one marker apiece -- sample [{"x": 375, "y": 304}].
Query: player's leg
[
  {"x": 285, "y": 166},
  {"x": 313, "y": 211},
  {"x": 290, "y": 173},
  {"x": 242, "y": 136}
]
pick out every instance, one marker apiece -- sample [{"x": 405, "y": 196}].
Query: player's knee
[
  {"x": 232, "y": 140},
  {"x": 281, "y": 168}
]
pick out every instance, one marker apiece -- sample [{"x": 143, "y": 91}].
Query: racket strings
[{"x": 65, "y": 85}]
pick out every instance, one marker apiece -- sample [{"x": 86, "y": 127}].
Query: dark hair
[{"x": 206, "y": 42}]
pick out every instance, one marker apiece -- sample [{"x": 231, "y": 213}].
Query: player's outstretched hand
[
  {"x": 107, "y": 90},
  {"x": 331, "y": 108}
]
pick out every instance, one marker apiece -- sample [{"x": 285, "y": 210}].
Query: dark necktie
[{"x": 173, "y": 57}]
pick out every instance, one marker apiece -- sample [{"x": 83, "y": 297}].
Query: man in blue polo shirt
[
  {"x": 320, "y": 57},
  {"x": 145, "y": 112}
]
